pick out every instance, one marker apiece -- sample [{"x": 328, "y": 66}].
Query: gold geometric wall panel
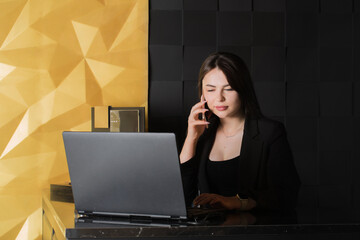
[{"x": 57, "y": 59}]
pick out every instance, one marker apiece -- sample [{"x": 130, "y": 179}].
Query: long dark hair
[{"x": 239, "y": 79}]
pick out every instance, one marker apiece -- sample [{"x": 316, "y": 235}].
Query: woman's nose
[{"x": 220, "y": 96}]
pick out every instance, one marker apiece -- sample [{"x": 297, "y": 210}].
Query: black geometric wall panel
[{"x": 304, "y": 58}]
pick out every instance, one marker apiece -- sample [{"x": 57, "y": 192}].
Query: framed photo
[{"x": 117, "y": 119}]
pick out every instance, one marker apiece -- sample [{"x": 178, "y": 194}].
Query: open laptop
[{"x": 125, "y": 174}]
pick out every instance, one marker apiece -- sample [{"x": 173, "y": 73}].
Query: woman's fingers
[
  {"x": 196, "y": 112},
  {"x": 214, "y": 200},
  {"x": 194, "y": 119},
  {"x": 203, "y": 201},
  {"x": 199, "y": 123},
  {"x": 198, "y": 105},
  {"x": 199, "y": 199},
  {"x": 204, "y": 198}
]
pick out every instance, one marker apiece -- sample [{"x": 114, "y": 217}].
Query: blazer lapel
[{"x": 250, "y": 156}]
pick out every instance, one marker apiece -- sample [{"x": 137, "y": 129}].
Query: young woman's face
[{"x": 221, "y": 99}]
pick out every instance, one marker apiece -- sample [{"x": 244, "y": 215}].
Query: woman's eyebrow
[{"x": 209, "y": 85}]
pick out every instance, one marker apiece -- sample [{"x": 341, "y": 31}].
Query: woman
[{"x": 232, "y": 155}]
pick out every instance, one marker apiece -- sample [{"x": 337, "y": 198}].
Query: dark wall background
[{"x": 304, "y": 60}]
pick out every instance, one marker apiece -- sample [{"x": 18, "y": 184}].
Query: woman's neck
[{"x": 232, "y": 124}]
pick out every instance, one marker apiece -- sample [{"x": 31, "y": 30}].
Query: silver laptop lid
[{"x": 126, "y": 174}]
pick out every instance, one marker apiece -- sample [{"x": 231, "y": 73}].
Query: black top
[
  {"x": 222, "y": 176},
  {"x": 265, "y": 171}
]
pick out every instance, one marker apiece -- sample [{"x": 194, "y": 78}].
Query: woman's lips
[{"x": 221, "y": 108}]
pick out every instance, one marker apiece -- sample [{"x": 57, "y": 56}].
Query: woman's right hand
[{"x": 196, "y": 126}]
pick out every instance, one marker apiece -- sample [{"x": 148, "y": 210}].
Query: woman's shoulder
[
  {"x": 268, "y": 123},
  {"x": 270, "y": 129}
]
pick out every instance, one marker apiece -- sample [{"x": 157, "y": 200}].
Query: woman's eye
[
  {"x": 229, "y": 89},
  {"x": 210, "y": 90}
]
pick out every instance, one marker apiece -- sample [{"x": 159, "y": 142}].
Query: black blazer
[{"x": 266, "y": 172}]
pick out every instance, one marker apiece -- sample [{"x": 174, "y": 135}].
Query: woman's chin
[{"x": 220, "y": 114}]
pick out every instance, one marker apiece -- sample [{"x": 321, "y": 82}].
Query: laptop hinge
[{"x": 140, "y": 219}]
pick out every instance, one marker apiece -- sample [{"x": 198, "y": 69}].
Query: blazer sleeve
[
  {"x": 282, "y": 179},
  {"x": 189, "y": 180},
  {"x": 189, "y": 173}
]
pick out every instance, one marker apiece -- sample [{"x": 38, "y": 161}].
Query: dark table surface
[{"x": 310, "y": 223}]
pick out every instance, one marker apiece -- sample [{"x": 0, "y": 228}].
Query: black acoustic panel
[
  {"x": 271, "y": 98},
  {"x": 357, "y": 30},
  {"x": 308, "y": 197},
  {"x": 169, "y": 124},
  {"x": 336, "y": 134},
  {"x": 356, "y": 121},
  {"x": 165, "y": 27},
  {"x": 199, "y": 28},
  {"x": 302, "y": 99},
  {"x": 357, "y": 47},
  {"x": 302, "y": 30},
  {"x": 357, "y": 64},
  {"x": 166, "y": 124},
  {"x": 302, "y": 133},
  {"x": 336, "y": 64},
  {"x": 193, "y": 58},
  {"x": 166, "y": 4},
  {"x": 355, "y": 164},
  {"x": 235, "y": 5},
  {"x": 302, "y": 65},
  {"x": 355, "y": 173},
  {"x": 269, "y": 5},
  {"x": 319, "y": 44},
  {"x": 235, "y": 28},
  {"x": 356, "y": 198},
  {"x": 165, "y": 63},
  {"x": 268, "y": 64},
  {"x": 336, "y": 30},
  {"x": 191, "y": 96},
  {"x": 336, "y": 99},
  {"x": 336, "y": 6},
  {"x": 327, "y": 193},
  {"x": 201, "y": 5},
  {"x": 357, "y": 99},
  {"x": 243, "y": 52},
  {"x": 306, "y": 165},
  {"x": 165, "y": 99},
  {"x": 334, "y": 168},
  {"x": 302, "y": 5},
  {"x": 268, "y": 29}
]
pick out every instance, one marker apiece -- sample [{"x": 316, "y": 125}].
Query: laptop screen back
[{"x": 126, "y": 174}]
